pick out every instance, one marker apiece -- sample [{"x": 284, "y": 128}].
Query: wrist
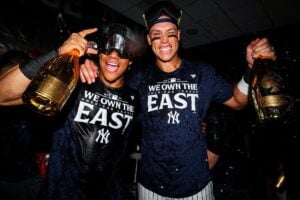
[
  {"x": 59, "y": 51},
  {"x": 243, "y": 87},
  {"x": 30, "y": 68},
  {"x": 246, "y": 76},
  {"x": 243, "y": 84}
]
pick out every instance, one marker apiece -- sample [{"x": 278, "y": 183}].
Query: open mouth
[
  {"x": 165, "y": 48},
  {"x": 111, "y": 67}
]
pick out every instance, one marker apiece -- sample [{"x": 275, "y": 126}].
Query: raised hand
[
  {"x": 77, "y": 41},
  {"x": 259, "y": 47}
]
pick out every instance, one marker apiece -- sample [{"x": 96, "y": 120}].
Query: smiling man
[
  {"x": 176, "y": 95},
  {"x": 90, "y": 141}
]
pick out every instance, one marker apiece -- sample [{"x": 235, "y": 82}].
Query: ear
[
  {"x": 129, "y": 65},
  {"x": 178, "y": 34},
  {"x": 148, "y": 39}
]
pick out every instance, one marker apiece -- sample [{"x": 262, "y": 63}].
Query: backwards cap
[{"x": 162, "y": 8}]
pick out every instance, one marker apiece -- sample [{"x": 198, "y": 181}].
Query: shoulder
[
  {"x": 197, "y": 65},
  {"x": 137, "y": 74},
  {"x": 129, "y": 89}
]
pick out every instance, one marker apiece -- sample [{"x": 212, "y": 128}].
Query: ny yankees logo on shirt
[{"x": 172, "y": 93}]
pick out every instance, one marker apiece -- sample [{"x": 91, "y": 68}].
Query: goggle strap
[
  {"x": 144, "y": 17},
  {"x": 179, "y": 19},
  {"x": 177, "y": 22}
]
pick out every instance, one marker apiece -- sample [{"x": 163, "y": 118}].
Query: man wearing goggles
[
  {"x": 117, "y": 38},
  {"x": 91, "y": 138}
]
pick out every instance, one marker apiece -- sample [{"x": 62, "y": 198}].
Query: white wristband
[{"x": 243, "y": 87}]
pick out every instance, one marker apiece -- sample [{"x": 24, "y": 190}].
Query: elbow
[
  {"x": 241, "y": 105},
  {"x": 9, "y": 98},
  {"x": 237, "y": 103}
]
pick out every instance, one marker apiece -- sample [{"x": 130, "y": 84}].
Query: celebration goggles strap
[{"x": 163, "y": 8}]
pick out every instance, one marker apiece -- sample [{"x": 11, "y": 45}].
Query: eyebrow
[{"x": 159, "y": 31}]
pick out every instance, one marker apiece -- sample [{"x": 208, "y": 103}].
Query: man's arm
[
  {"x": 12, "y": 86},
  {"x": 14, "y": 82},
  {"x": 239, "y": 100},
  {"x": 212, "y": 159},
  {"x": 257, "y": 48}
]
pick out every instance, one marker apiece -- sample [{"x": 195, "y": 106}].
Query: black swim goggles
[{"x": 119, "y": 38}]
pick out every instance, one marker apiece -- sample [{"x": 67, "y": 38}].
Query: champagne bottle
[
  {"x": 269, "y": 92},
  {"x": 52, "y": 86}
]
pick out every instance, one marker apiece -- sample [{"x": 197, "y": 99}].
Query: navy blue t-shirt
[
  {"x": 174, "y": 156},
  {"x": 87, "y": 149}
]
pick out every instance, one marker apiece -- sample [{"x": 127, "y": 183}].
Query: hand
[
  {"x": 259, "y": 47},
  {"x": 203, "y": 127},
  {"x": 88, "y": 71},
  {"x": 77, "y": 41}
]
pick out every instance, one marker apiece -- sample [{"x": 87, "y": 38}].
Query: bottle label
[
  {"x": 275, "y": 100},
  {"x": 54, "y": 90}
]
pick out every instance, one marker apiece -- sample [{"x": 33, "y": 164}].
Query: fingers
[
  {"x": 203, "y": 127},
  {"x": 262, "y": 48},
  {"x": 86, "y": 32},
  {"x": 88, "y": 72},
  {"x": 253, "y": 43},
  {"x": 91, "y": 51},
  {"x": 259, "y": 48},
  {"x": 77, "y": 41}
]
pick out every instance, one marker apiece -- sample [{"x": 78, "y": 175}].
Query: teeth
[
  {"x": 165, "y": 48},
  {"x": 112, "y": 64},
  {"x": 112, "y": 67}
]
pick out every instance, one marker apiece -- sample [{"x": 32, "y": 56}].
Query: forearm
[
  {"x": 240, "y": 97},
  {"x": 14, "y": 83},
  {"x": 12, "y": 86},
  {"x": 241, "y": 90},
  {"x": 30, "y": 68},
  {"x": 212, "y": 159},
  {"x": 239, "y": 100}
]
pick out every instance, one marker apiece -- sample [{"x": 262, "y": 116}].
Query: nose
[{"x": 164, "y": 38}]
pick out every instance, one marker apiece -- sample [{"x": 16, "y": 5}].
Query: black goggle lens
[
  {"x": 118, "y": 43},
  {"x": 122, "y": 55}
]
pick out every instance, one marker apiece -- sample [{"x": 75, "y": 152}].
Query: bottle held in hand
[
  {"x": 53, "y": 84},
  {"x": 268, "y": 92}
]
